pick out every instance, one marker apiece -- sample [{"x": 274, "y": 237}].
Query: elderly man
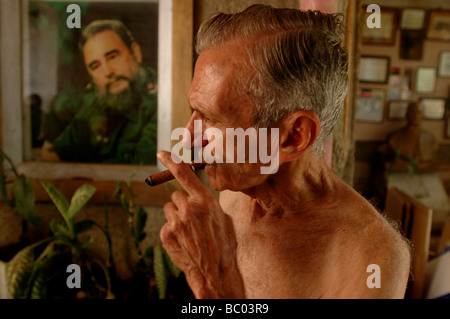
[
  {"x": 116, "y": 119},
  {"x": 300, "y": 232}
]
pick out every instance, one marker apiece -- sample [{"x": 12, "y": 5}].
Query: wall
[
  {"x": 205, "y": 8},
  {"x": 430, "y": 58},
  {"x": 369, "y": 136}
]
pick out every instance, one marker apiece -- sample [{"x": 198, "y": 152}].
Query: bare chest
[{"x": 284, "y": 265}]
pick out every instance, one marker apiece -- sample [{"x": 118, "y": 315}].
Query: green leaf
[
  {"x": 79, "y": 199},
  {"x": 174, "y": 270},
  {"x": 140, "y": 224},
  {"x": 117, "y": 190},
  {"x": 160, "y": 271},
  {"x": 89, "y": 241},
  {"x": 39, "y": 287},
  {"x": 123, "y": 202},
  {"x": 59, "y": 228},
  {"x": 83, "y": 226},
  {"x": 58, "y": 199},
  {"x": 18, "y": 270},
  {"x": 23, "y": 193}
]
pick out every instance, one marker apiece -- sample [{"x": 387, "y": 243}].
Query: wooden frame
[
  {"x": 370, "y": 105},
  {"x": 444, "y": 64},
  {"x": 397, "y": 109},
  {"x": 174, "y": 76},
  {"x": 425, "y": 80},
  {"x": 384, "y": 35},
  {"x": 374, "y": 69},
  {"x": 439, "y": 25}
]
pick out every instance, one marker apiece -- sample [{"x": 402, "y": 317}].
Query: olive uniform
[{"x": 94, "y": 136}]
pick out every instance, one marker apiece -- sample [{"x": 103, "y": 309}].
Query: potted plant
[{"x": 40, "y": 268}]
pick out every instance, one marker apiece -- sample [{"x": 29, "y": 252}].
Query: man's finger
[{"x": 183, "y": 174}]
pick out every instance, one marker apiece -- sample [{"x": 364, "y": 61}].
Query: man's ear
[
  {"x": 136, "y": 50},
  {"x": 298, "y": 132}
]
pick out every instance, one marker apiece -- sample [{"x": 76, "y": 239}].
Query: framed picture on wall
[
  {"x": 433, "y": 108},
  {"x": 86, "y": 118},
  {"x": 397, "y": 109},
  {"x": 412, "y": 45},
  {"x": 370, "y": 105},
  {"x": 425, "y": 80},
  {"x": 40, "y": 53},
  {"x": 413, "y": 19},
  {"x": 374, "y": 69},
  {"x": 444, "y": 64},
  {"x": 439, "y": 25},
  {"x": 385, "y": 34}
]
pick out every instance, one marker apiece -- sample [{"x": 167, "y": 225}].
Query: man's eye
[
  {"x": 112, "y": 55},
  {"x": 94, "y": 66}
]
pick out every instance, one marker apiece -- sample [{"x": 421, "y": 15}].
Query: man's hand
[{"x": 200, "y": 237}]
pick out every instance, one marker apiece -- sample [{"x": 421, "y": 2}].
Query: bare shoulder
[{"x": 381, "y": 255}]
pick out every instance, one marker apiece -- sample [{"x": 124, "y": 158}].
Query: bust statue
[{"x": 412, "y": 146}]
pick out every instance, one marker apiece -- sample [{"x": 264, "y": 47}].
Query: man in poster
[{"x": 116, "y": 118}]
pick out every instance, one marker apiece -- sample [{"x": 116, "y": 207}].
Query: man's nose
[
  {"x": 193, "y": 134},
  {"x": 109, "y": 69}
]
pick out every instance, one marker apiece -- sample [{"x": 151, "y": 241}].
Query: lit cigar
[{"x": 166, "y": 175}]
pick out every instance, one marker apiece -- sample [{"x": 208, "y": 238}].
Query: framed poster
[
  {"x": 385, "y": 34},
  {"x": 95, "y": 65},
  {"x": 413, "y": 19},
  {"x": 425, "y": 80},
  {"x": 374, "y": 69},
  {"x": 433, "y": 108},
  {"x": 40, "y": 55},
  {"x": 370, "y": 105},
  {"x": 397, "y": 109},
  {"x": 439, "y": 25}
]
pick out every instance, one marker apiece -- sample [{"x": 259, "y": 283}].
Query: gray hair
[{"x": 297, "y": 61}]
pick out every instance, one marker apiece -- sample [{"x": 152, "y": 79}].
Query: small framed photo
[
  {"x": 384, "y": 35},
  {"x": 370, "y": 105},
  {"x": 374, "y": 69},
  {"x": 439, "y": 25},
  {"x": 433, "y": 108},
  {"x": 413, "y": 19},
  {"x": 426, "y": 80},
  {"x": 397, "y": 109},
  {"x": 412, "y": 44},
  {"x": 444, "y": 64}
]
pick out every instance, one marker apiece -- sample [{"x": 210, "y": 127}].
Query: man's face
[
  {"x": 110, "y": 62},
  {"x": 220, "y": 103}
]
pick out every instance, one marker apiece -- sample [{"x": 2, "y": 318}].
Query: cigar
[{"x": 166, "y": 175}]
